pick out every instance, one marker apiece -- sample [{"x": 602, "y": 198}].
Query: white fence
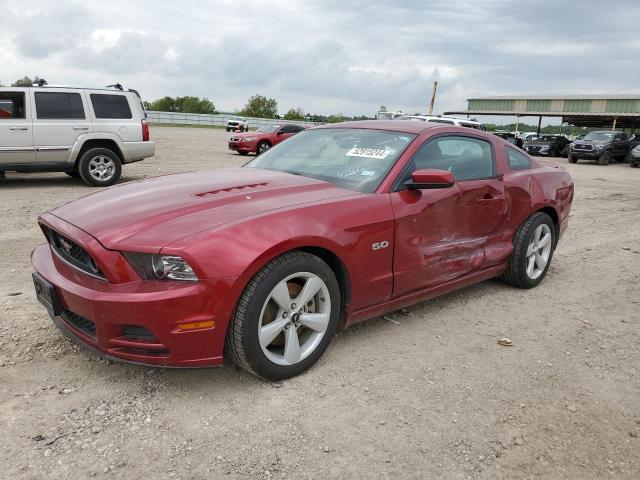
[{"x": 215, "y": 120}]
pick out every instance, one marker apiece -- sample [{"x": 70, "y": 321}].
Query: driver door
[{"x": 440, "y": 234}]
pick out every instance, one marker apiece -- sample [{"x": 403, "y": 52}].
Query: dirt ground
[{"x": 434, "y": 396}]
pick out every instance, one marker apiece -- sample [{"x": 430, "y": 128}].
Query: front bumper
[
  {"x": 141, "y": 321},
  {"x": 243, "y": 146},
  {"x": 586, "y": 154}
]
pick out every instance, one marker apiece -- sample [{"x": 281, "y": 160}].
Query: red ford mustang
[
  {"x": 264, "y": 263},
  {"x": 262, "y": 139}
]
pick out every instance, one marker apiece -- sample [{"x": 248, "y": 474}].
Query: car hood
[{"x": 149, "y": 214}]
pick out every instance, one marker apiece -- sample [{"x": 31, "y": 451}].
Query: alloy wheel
[
  {"x": 539, "y": 251},
  {"x": 101, "y": 168},
  {"x": 294, "y": 318}
]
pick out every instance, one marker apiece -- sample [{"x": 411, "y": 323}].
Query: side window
[
  {"x": 11, "y": 105},
  {"x": 59, "y": 106},
  {"x": 110, "y": 106},
  {"x": 518, "y": 160},
  {"x": 291, "y": 129},
  {"x": 468, "y": 158}
]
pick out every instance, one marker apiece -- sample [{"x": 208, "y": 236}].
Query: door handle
[
  {"x": 18, "y": 128},
  {"x": 80, "y": 128}
]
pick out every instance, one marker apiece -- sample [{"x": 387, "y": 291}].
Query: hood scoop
[{"x": 237, "y": 188}]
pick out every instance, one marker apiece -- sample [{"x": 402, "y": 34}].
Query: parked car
[
  {"x": 264, "y": 263},
  {"x": 529, "y": 137},
  {"x": 511, "y": 138},
  {"x": 550, "y": 145},
  {"x": 601, "y": 146},
  {"x": 634, "y": 156},
  {"x": 461, "y": 122},
  {"x": 86, "y": 133},
  {"x": 263, "y": 138},
  {"x": 237, "y": 125}
]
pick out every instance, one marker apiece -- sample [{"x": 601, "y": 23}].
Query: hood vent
[{"x": 237, "y": 188}]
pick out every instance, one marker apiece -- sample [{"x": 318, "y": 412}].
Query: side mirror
[
  {"x": 430, "y": 179},
  {"x": 280, "y": 132}
]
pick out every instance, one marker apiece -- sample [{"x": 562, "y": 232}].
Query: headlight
[
  {"x": 598, "y": 147},
  {"x": 248, "y": 139},
  {"x": 152, "y": 266}
]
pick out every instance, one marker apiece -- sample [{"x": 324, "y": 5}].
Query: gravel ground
[{"x": 433, "y": 396}]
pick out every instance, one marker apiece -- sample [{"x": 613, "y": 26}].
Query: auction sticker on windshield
[{"x": 379, "y": 153}]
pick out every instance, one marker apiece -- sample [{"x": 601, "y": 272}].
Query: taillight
[{"x": 145, "y": 131}]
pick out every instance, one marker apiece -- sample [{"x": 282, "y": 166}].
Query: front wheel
[
  {"x": 572, "y": 159},
  {"x": 605, "y": 158},
  {"x": 263, "y": 147},
  {"x": 285, "y": 318},
  {"x": 99, "y": 167},
  {"x": 533, "y": 246}
]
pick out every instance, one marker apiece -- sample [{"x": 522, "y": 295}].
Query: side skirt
[{"x": 426, "y": 294}]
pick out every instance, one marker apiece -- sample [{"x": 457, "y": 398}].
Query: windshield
[
  {"x": 599, "y": 136},
  {"x": 547, "y": 138},
  {"x": 268, "y": 128},
  {"x": 355, "y": 159}
]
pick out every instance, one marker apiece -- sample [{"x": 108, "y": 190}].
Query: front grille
[
  {"x": 534, "y": 149},
  {"x": 72, "y": 253},
  {"x": 582, "y": 146},
  {"x": 137, "y": 332},
  {"x": 83, "y": 324}
]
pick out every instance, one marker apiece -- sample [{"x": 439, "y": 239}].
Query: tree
[
  {"x": 260, "y": 107},
  {"x": 182, "y": 105},
  {"x": 335, "y": 118},
  {"x": 294, "y": 114},
  {"x": 23, "y": 82}
]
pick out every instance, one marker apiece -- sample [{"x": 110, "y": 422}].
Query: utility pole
[{"x": 433, "y": 97}]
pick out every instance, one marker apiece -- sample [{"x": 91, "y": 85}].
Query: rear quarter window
[
  {"x": 517, "y": 160},
  {"x": 59, "y": 106},
  {"x": 110, "y": 106}
]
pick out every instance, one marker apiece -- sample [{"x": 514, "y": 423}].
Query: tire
[
  {"x": 519, "y": 272},
  {"x": 572, "y": 159},
  {"x": 99, "y": 167},
  {"x": 228, "y": 129},
  {"x": 73, "y": 174},
  {"x": 605, "y": 158},
  {"x": 275, "y": 358},
  {"x": 263, "y": 146},
  {"x": 633, "y": 165}
]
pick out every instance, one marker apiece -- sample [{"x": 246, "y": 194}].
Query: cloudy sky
[{"x": 327, "y": 56}]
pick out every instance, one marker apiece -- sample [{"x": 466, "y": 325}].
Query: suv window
[
  {"x": 468, "y": 158},
  {"x": 59, "y": 106},
  {"x": 11, "y": 105},
  {"x": 110, "y": 106},
  {"x": 518, "y": 160}
]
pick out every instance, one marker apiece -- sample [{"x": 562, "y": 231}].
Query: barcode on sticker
[{"x": 379, "y": 153}]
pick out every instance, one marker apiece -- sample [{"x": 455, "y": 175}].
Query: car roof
[{"x": 405, "y": 126}]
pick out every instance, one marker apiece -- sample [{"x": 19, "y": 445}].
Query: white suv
[{"x": 86, "y": 133}]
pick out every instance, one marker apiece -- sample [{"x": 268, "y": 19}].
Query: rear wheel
[
  {"x": 99, "y": 167},
  {"x": 533, "y": 246},
  {"x": 285, "y": 318},
  {"x": 572, "y": 159}
]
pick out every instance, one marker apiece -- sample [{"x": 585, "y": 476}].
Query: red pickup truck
[{"x": 262, "y": 139}]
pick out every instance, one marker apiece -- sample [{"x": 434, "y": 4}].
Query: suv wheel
[
  {"x": 572, "y": 159},
  {"x": 99, "y": 167},
  {"x": 605, "y": 158}
]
